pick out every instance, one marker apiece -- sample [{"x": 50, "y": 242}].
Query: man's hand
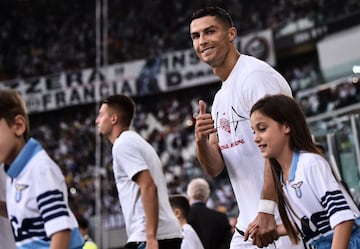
[
  {"x": 266, "y": 232},
  {"x": 207, "y": 144},
  {"x": 204, "y": 125}
]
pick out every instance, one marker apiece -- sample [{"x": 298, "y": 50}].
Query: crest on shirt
[
  {"x": 225, "y": 124},
  {"x": 19, "y": 188},
  {"x": 296, "y": 187}
]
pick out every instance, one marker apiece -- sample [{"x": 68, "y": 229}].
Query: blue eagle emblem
[
  {"x": 296, "y": 187},
  {"x": 19, "y": 188}
]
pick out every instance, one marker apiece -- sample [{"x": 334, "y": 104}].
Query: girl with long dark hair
[{"x": 311, "y": 202}]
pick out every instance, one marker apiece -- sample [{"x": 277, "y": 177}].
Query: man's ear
[
  {"x": 20, "y": 125},
  {"x": 114, "y": 119},
  {"x": 232, "y": 34}
]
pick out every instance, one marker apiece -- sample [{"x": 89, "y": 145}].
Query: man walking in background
[
  {"x": 212, "y": 226},
  {"x": 140, "y": 182}
]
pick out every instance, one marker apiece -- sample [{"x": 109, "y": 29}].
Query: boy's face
[
  {"x": 7, "y": 142},
  {"x": 11, "y": 140}
]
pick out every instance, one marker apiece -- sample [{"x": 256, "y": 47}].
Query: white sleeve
[
  {"x": 128, "y": 156},
  {"x": 329, "y": 192}
]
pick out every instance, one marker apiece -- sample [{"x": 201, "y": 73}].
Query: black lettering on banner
[
  {"x": 194, "y": 59},
  {"x": 52, "y": 82},
  {"x": 165, "y": 62},
  {"x": 32, "y": 86},
  {"x": 126, "y": 88},
  {"x": 89, "y": 94},
  {"x": 178, "y": 60},
  {"x": 173, "y": 78},
  {"x": 104, "y": 90},
  {"x": 73, "y": 78},
  {"x": 114, "y": 87},
  {"x": 60, "y": 99},
  {"x": 46, "y": 99},
  {"x": 75, "y": 96},
  {"x": 194, "y": 75},
  {"x": 33, "y": 103},
  {"x": 96, "y": 76}
]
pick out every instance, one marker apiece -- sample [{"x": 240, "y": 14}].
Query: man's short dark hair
[
  {"x": 218, "y": 12},
  {"x": 124, "y": 105}
]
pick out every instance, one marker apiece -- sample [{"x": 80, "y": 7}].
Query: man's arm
[
  {"x": 207, "y": 149},
  {"x": 265, "y": 219},
  {"x": 149, "y": 198}
]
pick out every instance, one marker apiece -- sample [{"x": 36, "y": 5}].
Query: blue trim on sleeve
[{"x": 31, "y": 148}]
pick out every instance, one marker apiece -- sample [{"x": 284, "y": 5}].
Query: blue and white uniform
[
  {"x": 37, "y": 200},
  {"x": 318, "y": 200},
  {"x": 6, "y": 237}
]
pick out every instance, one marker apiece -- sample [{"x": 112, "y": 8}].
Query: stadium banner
[
  {"x": 260, "y": 45},
  {"x": 168, "y": 72}
]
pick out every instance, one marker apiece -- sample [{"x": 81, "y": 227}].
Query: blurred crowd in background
[{"x": 40, "y": 38}]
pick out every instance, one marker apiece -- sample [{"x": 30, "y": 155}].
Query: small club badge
[
  {"x": 297, "y": 186},
  {"x": 19, "y": 188}
]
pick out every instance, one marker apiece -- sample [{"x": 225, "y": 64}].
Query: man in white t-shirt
[
  {"x": 224, "y": 138},
  {"x": 140, "y": 182}
]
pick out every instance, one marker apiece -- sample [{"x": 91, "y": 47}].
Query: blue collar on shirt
[
  {"x": 293, "y": 168},
  {"x": 31, "y": 148}
]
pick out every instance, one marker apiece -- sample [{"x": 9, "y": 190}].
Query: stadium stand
[{"x": 38, "y": 38}]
